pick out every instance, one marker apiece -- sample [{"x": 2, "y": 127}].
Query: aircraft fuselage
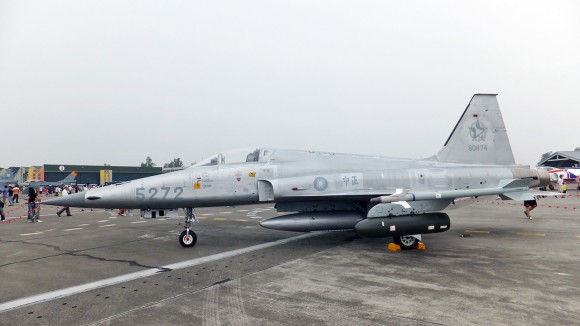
[{"x": 295, "y": 176}]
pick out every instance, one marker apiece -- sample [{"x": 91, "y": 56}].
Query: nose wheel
[{"x": 188, "y": 238}]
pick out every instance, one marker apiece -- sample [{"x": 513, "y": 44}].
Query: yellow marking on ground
[
  {"x": 531, "y": 234},
  {"x": 202, "y": 218},
  {"x": 578, "y": 236},
  {"x": 477, "y": 231},
  {"x": 220, "y": 218},
  {"x": 241, "y": 220},
  {"x": 279, "y": 213}
]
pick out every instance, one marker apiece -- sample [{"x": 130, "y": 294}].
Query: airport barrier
[
  {"x": 23, "y": 204},
  {"x": 12, "y": 209}
]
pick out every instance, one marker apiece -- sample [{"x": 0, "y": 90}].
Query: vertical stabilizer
[
  {"x": 71, "y": 177},
  {"x": 479, "y": 136}
]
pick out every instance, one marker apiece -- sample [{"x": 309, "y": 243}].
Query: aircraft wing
[{"x": 516, "y": 189}]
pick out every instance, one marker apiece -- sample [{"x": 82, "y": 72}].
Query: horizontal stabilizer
[
  {"x": 546, "y": 193},
  {"x": 518, "y": 196},
  {"x": 515, "y": 183},
  {"x": 528, "y": 195}
]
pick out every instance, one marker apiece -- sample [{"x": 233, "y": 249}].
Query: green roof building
[{"x": 98, "y": 174}]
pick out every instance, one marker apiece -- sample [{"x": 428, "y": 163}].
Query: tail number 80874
[{"x": 477, "y": 148}]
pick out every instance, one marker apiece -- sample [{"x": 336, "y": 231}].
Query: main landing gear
[
  {"x": 406, "y": 241},
  {"x": 188, "y": 238}
]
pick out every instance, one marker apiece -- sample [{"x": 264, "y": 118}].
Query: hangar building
[
  {"x": 564, "y": 159},
  {"x": 98, "y": 174}
]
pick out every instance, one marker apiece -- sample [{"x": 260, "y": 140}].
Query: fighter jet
[
  {"x": 69, "y": 179},
  {"x": 8, "y": 179},
  {"x": 375, "y": 196},
  {"x": 565, "y": 174}
]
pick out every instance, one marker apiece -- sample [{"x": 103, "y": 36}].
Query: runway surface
[{"x": 494, "y": 267}]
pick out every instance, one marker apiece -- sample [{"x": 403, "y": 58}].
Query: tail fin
[
  {"x": 71, "y": 177},
  {"x": 479, "y": 136}
]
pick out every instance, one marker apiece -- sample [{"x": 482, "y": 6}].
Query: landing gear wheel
[
  {"x": 187, "y": 239},
  {"x": 407, "y": 242}
]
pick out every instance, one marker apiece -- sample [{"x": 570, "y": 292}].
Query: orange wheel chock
[
  {"x": 421, "y": 246},
  {"x": 394, "y": 247}
]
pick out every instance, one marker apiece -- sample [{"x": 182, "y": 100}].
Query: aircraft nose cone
[{"x": 72, "y": 200}]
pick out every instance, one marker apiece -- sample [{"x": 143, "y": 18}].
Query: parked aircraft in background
[
  {"x": 8, "y": 179},
  {"x": 565, "y": 174},
  {"x": 69, "y": 179},
  {"x": 376, "y": 196}
]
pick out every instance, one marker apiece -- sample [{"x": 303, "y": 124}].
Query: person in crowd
[
  {"x": 65, "y": 191},
  {"x": 15, "y": 194},
  {"x": 564, "y": 189},
  {"x": 32, "y": 196},
  {"x": 560, "y": 183},
  {"x": 4, "y": 194},
  {"x": 2, "y": 216},
  {"x": 530, "y": 205},
  {"x": 10, "y": 194}
]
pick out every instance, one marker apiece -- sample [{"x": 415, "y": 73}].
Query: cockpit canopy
[{"x": 237, "y": 156}]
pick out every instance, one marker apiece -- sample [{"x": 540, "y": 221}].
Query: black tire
[
  {"x": 187, "y": 240},
  {"x": 407, "y": 242}
]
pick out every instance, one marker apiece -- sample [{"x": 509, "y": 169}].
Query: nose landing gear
[{"x": 188, "y": 238}]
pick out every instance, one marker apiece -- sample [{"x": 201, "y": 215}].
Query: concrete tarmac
[{"x": 494, "y": 267}]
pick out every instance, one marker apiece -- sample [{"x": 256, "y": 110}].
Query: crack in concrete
[
  {"x": 79, "y": 254},
  {"x": 130, "y": 262}
]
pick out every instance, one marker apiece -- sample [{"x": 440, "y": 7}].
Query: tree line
[{"x": 176, "y": 163}]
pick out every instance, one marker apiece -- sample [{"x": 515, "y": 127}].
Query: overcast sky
[{"x": 93, "y": 82}]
